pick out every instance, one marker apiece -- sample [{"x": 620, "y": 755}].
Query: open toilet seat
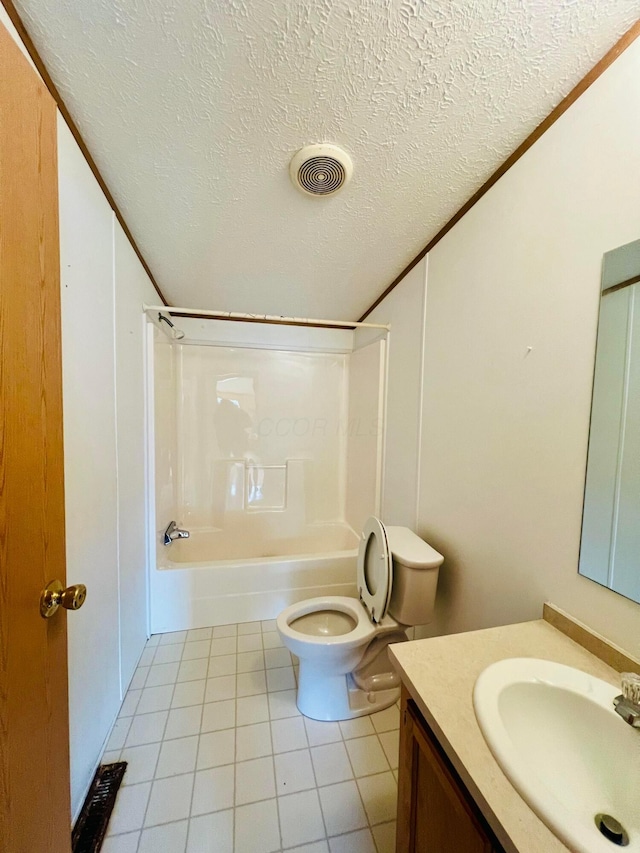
[
  {"x": 374, "y": 579},
  {"x": 374, "y": 573}
]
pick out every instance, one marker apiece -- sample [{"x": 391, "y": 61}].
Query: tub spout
[{"x": 174, "y": 532}]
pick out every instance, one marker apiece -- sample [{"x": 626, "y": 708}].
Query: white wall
[
  {"x": 512, "y": 302},
  {"x": 5, "y": 20},
  {"x": 103, "y": 287},
  {"x": 132, "y": 288},
  {"x": 86, "y": 257}
]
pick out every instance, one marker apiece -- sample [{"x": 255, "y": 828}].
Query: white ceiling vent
[{"x": 320, "y": 169}]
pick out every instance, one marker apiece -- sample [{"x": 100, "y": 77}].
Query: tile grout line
[
  {"x": 355, "y": 778},
  {"x": 195, "y": 767},
  {"x": 275, "y": 786},
  {"x": 153, "y": 778},
  {"x": 193, "y": 787},
  {"x": 315, "y": 779},
  {"x": 235, "y": 744}
]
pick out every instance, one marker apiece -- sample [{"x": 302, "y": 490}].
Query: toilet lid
[{"x": 374, "y": 569}]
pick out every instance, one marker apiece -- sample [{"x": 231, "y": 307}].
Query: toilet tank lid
[{"x": 410, "y": 550}]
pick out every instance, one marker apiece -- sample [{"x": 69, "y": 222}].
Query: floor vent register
[{"x": 91, "y": 826}]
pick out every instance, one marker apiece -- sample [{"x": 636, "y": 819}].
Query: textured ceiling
[{"x": 192, "y": 110}]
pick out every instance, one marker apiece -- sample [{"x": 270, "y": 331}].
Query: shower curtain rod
[{"x": 196, "y": 313}]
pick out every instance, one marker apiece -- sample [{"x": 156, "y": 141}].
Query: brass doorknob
[{"x": 54, "y": 595}]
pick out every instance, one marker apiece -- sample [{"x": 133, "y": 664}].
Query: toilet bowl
[{"x": 342, "y": 642}]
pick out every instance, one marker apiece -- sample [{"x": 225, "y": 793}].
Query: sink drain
[{"x": 612, "y": 829}]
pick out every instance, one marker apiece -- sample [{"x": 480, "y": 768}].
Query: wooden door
[{"x": 34, "y": 731}]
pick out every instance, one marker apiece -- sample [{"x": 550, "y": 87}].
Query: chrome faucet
[
  {"x": 628, "y": 703},
  {"x": 174, "y": 532}
]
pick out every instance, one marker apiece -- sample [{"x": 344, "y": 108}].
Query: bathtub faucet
[{"x": 174, "y": 532}]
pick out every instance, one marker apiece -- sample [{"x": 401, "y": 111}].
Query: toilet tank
[{"x": 415, "y": 577}]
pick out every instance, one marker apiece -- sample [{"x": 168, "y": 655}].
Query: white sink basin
[{"x": 554, "y": 732}]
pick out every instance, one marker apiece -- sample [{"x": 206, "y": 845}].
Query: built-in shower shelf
[{"x": 243, "y": 485}]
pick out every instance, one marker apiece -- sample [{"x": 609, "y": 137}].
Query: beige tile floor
[{"x": 221, "y": 760}]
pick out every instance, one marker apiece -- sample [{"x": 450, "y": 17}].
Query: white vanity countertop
[{"x": 440, "y": 673}]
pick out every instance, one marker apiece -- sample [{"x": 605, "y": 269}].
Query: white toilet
[{"x": 342, "y": 642}]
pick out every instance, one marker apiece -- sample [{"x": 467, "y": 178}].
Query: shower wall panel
[
  {"x": 365, "y": 433},
  {"x": 262, "y": 439},
  {"x": 165, "y": 391}
]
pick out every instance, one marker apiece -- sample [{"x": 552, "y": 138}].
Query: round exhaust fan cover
[{"x": 320, "y": 170}]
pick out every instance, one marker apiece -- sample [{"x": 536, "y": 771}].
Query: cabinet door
[{"x": 435, "y": 812}]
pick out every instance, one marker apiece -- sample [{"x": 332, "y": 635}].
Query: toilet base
[{"x": 329, "y": 697}]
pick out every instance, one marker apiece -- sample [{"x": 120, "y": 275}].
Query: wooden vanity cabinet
[{"x": 436, "y": 813}]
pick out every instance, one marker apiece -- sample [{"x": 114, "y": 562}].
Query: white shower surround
[
  {"x": 242, "y": 563},
  {"x": 193, "y": 111}
]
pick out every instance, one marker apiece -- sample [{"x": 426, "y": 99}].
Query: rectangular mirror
[{"x": 610, "y": 544}]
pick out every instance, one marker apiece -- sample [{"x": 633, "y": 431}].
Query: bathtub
[{"x": 218, "y": 577}]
